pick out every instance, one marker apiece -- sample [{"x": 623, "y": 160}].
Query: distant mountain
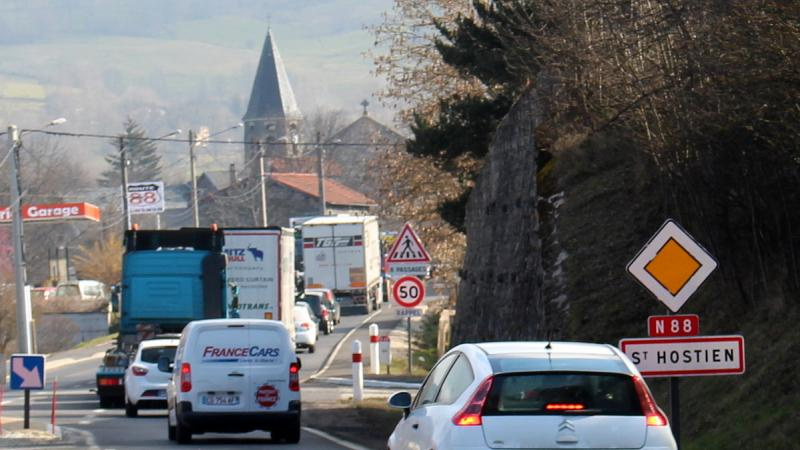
[{"x": 177, "y": 64}]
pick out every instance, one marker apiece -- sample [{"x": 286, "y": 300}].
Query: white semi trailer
[
  {"x": 261, "y": 264},
  {"x": 342, "y": 253}
]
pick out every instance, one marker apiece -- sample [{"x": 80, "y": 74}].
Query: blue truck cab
[{"x": 169, "y": 278}]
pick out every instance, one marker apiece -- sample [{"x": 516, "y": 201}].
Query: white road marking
[
  {"x": 333, "y": 439},
  {"x": 338, "y": 346}
]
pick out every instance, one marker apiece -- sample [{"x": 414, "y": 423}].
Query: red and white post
[
  {"x": 374, "y": 355},
  {"x": 53, "y": 403},
  {"x": 358, "y": 372}
]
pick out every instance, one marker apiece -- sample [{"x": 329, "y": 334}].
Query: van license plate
[{"x": 220, "y": 400}]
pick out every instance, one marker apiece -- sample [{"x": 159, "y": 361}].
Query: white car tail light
[
  {"x": 294, "y": 377},
  {"x": 139, "y": 371},
  {"x": 653, "y": 415},
  {"x": 186, "y": 377},
  {"x": 470, "y": 414}
]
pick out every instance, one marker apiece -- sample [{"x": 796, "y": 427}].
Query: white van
[
  {"x": 234, "y": 376},
  {"x": 82, "y": 289}
]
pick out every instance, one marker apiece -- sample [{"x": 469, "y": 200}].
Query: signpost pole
[
  {"x": 27, "y": 409},
  {"x": 675, "y": 405},
  {"x": 408, "y": 319},
  {"x": 675, "y": 408}
]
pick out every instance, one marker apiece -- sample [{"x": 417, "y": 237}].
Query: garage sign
[{"x": 53, "y": 212}]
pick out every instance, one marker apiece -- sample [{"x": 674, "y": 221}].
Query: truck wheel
[
  {"x": 291, "y": 435},
  {"x": 131, "y": 410},
  {"x": 170, "y": 432},
  {"x": 310, "y": 349},
  {"x": 182, "y": 433}
]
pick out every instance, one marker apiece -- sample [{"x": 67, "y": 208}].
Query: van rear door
[
  {"x": 270, "y": 356},
  {"x": 220, "y": 368}
]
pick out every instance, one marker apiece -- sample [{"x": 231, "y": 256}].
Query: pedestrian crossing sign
[{"x": 407, "y": 248}]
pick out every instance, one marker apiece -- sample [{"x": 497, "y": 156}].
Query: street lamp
[
  {"x": 192, "y": 168},
  {"x": 124, "y": 162},
  {"x": 24, "y": 338}
]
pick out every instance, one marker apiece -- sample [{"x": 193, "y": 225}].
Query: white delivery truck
[
  {"x": 261, "y": 264},
  {"x": 342, "y": 253}
]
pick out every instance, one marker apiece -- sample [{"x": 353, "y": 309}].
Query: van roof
[{"x": 239, "y": 322}]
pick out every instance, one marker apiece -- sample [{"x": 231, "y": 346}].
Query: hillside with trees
[{"x": 641, "y": 111}]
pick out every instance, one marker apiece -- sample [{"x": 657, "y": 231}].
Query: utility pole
[
  {"x": 24, "y": 342},
  {"x": 123, "y": 162},
  {"x": 195, "y": 213},
  {"x": 263, "y": 184},
  {"x": 321, "y": 173}
]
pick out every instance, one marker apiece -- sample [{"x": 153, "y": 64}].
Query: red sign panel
[
  {"x": 56, "y": 211},
  {"x": 408, "y": 292},
  {"x": 672, "y": 326},
  {"x": 267, "y": 395}
]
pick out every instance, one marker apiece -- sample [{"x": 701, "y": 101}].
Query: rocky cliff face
[{"x": 499, "y": 296}]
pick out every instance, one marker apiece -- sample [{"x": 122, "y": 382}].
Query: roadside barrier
[
  {"x": 358, "y": 372},
  {"x": 374, "y": 355}
]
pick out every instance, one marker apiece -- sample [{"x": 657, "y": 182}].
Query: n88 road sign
[
  {"x": 408, "y": 292},
  {"x": 671, "y": 326}
]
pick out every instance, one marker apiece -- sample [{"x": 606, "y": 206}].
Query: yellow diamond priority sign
[{"x": 672, "y": 265}]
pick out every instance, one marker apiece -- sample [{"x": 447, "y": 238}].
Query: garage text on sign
[{"x": 678, "y": 325}]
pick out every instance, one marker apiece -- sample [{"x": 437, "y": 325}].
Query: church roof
[
  {"x": 335, "y": 193},
  {"x": 367, "y": 130},
  {"x": 272, "y": 94}
]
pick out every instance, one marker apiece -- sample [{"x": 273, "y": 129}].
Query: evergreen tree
[{"x": 141, "y": 151}]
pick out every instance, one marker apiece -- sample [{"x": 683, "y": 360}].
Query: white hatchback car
[
  {"x": 234, "y": 376},
  {"x": 531, "y": 395},
  {"x": 145, "y": 385},
  {"x": 306, "y": 327}
]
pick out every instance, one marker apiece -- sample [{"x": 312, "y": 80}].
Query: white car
[
  {"x": 145, "y": 385},
  {"x": 234, "y": 376},
  {"x": 531, "y": 395},
  {"x": 306, "y": 327}
]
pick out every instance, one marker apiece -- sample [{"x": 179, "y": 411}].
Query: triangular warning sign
[{"x": 407, "y": 248}]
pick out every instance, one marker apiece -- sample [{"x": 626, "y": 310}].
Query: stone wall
[{"x": 499, "y": 296}]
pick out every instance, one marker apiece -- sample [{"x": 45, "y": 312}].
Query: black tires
[
  {"x": 290, "y": 434},
  {"x": 311, "y": 349},
  {"x": 182, "y": 433},
  {"x": 170, "y": 432},
  {"x": 131, "y": 410}
]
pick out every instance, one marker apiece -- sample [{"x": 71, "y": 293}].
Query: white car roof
[
  {"x": 535, "y": 356},
  {"x": 158, "y": 342}
]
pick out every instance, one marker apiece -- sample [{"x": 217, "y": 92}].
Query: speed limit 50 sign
[{"x": 408, "y": 292}]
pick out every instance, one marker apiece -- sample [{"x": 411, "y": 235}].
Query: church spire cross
[{"x": 365, "y": 103}]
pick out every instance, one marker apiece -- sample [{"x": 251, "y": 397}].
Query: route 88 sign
[{"x": 146, "y": 197}]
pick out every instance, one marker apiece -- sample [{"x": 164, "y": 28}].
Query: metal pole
[
  {"x": 195, "y": 213},
  {"x": 321, "y": 173},
  {"x": 123, "y": 160},
  {"x": 23, "y": 302},
  {"x": 263, "y": 178},
  {"x": 408, "y": 319},
  {"x": 27, "y": 423},
  {"x": 675, "y": 408}
]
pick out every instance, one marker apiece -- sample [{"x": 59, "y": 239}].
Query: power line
[{"x": 209, "y": 141}]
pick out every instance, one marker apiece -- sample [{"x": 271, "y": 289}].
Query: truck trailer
[
  {"x": 261, "y": 264},
  {"x": 342, "y": 253}
]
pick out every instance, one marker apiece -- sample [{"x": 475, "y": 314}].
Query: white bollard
[
  {"x": 374, "y": 355},
  {"x": 358, "y": 372}
]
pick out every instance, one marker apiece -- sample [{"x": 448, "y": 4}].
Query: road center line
[{"x": 338, "y": 346}]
